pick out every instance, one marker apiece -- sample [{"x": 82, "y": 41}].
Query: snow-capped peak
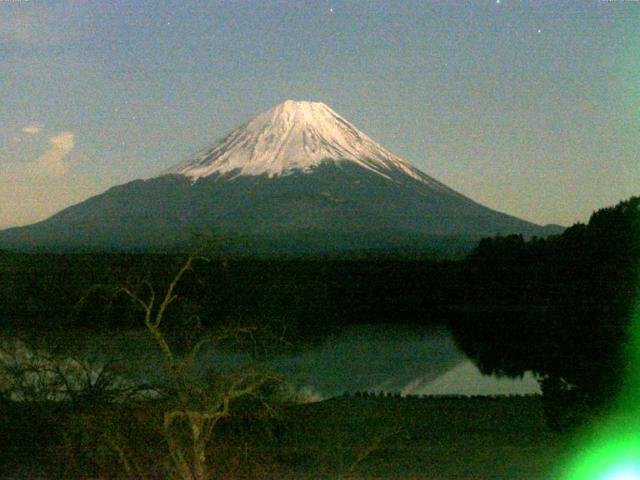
[{"x": 293, "y": 135}]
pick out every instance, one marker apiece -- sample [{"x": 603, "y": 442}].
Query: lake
[{"x": 363, "y": 358}]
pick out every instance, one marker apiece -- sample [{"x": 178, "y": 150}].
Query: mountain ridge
[{"x": 263, "y": 181}]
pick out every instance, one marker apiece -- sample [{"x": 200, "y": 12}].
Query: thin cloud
[
  {"x": 54, "y": 161},
  {"x": 32, "y": 129},
  {"x": 33, "y": 190}
]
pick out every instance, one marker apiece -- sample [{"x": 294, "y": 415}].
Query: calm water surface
[{"x": 376, "y": 358}]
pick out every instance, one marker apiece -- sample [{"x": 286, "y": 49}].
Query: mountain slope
[{"x": 297, "y": 173}]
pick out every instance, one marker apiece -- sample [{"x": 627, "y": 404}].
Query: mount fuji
[{"x": 297, "y": 178}]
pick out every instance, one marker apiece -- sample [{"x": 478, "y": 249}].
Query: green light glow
[
  {"x": 616, "y": 457},
  {"x": 626, "y": 472},
  {"x": 611, "y": 450}
]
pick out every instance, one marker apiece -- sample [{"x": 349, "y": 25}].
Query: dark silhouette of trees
[
  {"x": 307, "y": 293},
  {"x": 560, "y": 307}
]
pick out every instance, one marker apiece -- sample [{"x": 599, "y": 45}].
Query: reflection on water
[
  {"x": 359, "y": 358},
  {"x": 371, "y": 358},
  {"x": 466, "y": 379},
  {"x": 394, "y": 359}
]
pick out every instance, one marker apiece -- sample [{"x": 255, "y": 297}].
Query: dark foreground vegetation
[
  {"x": 560, "y": 307},
  {"x": 346, "y": 437}
]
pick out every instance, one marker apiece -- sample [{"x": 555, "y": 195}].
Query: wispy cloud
[
  {"x": 36, "y": 189},
  {"x": 32, "y": 129},
  {"x": 54, "y": 162}
]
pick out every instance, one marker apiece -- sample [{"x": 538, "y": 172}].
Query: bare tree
[{"x": 189, "y": 425}]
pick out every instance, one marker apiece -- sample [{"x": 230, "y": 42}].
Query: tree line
[
  {"x": 60, "y": 289},
  {"x": 559, "y": 306},
  {"x": 580, "y": 289}
]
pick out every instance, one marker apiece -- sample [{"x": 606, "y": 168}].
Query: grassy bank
[{"x": 345, "y": 437}]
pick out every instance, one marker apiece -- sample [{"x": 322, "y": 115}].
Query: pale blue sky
[{"x": 531, "y": 108}]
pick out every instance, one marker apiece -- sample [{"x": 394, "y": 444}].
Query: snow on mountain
[
  {"x": 293, "y": 135},
  {"x": 296, "y": 178}
]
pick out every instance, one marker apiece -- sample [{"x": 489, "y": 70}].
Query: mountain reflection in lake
[
  {"x": 393, "y": 359},
  {"x": 361, "y": 358}
]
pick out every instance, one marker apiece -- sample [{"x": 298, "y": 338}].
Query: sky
[{"x": 531, "y": 108}]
